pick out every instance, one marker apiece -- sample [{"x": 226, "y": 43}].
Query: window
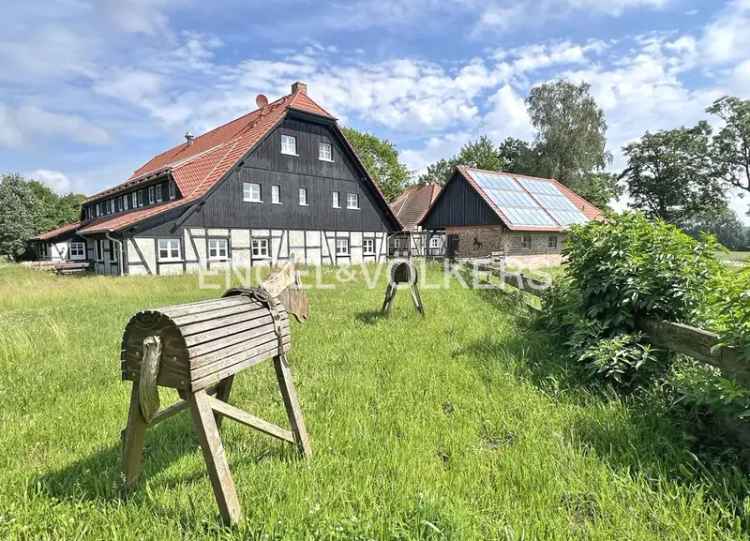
[
  {"x": 172, "y": 191},
  {"x": 98, "y": 209},
  {"x": 342, "y": 246},
  {"x": 140, "y": 198},
  {"x": 112, "y": 252},
  {"x": 125, "y": 202},
  {"x": 368, "y": 246},
  {"x": 78, "y": 250},
  {"x": 325, "y": 152},
  {"x": 276, "y": 195},
  {"x": 526, "y": 241},
  {"x": 159, "y": 193},
  {"x": 169, "y": 249},
  {"x": 118, "y": 204},
  {"x": 303, "y": 197},
  {"x": 352, "y": 201},
  {"x": 217, "y": 248},
  {"x": 552, "y": 241},
  {"x": 289, "y": 145},
  {"x": 134, "y": 199},
  {"x": 336, "y": 200},
  {"x": 434, "y": 243},
  {"x": 150, "y": 194},
  {"x": 100, "y": 250},
  {"x": 260, "y": 247},
  {"x": 251, "y": 192}
]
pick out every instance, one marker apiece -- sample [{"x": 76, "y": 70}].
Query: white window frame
[
  {"x": 342, "y": 242},
  {"x": 247, "y": 192},
  {"x": 112, "y": 208},
  {"x": 218, "y": 249},
  {"x": 435, "y": 243},
  {"x": 352, "y": 196},
  {"x": 259, "y": 248},
  {"x": 289, "y": 145},
  {"x": 172, "y": 247},
  {"x": 336, "y": 200},
  {"x": 552, "y": 245},
  {"x": 365, "y": 249},
  {"x": 276, "y": 194},
  {"x": 327, "y": 155},
  {"x": 526, "y": 245},
  {"x": 172, "y": 191},
  {"x": 302, "y": 197},
  {"x": 159, "y": 190},
  {"x": 80, "y": 248},
  {"x": 125, "y": 202},
  {"x": 150, "y": 195},
  {"x": 134, "y": 199}
]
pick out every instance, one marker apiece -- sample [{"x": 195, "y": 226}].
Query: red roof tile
[
  {"x": 414, "y": 202},
  {"x": 63, "y": 229}
]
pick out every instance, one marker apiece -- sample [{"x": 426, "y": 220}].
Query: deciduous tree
[
  {"x": 730, "y": 146},
  {"x": 481, "y": 153},
  {"x": 380, "y": 158}
]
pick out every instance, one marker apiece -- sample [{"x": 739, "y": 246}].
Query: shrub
[
  {"x": 619, "y": 272},
  {"x": 728, "y": 309}
]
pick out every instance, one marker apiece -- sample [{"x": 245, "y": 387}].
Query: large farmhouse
[
  {"x": 525, "y": 218},
  {"x": 279, "y": 182}
]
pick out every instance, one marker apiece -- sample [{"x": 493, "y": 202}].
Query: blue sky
[{"x": 90, "y": 90}]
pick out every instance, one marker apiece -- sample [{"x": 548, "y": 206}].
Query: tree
[
  {"x": 519, "y": 156},
  {"x": 481, "y": 154},
  {"x": 670, "y": 174},
  {"x": 380, "y": 158},
  {"x": 722, "y": 223},
  {"x": 730, "y": 146},
  {"x": 20, "y": 211}
]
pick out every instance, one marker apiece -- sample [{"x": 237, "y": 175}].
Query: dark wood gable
[
  {"x": 267, "y": 166},
  {"x": 459, "y": 204}
]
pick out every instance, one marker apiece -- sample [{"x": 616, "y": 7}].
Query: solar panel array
[{"x": 528, "y": 202}]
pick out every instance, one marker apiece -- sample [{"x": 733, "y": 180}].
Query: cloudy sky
[{"x": 91, "y": 89}]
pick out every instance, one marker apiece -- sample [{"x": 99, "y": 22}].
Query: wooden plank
[
  {"x": 247, "y": 361},
  {"x": 291, "y": 403},
  {"x": 252, "y": 421},
  {"x": 216, "y": 461},
  {"x": 204, "y": 306},
  {"x": 203, "y": 360},
  {"x": 263, "y": 343},
  {"x": 133, "y": 438},
  {"x": 253, "y": 326},
  {"x": 221, "y": 321},
  {"x": 699, "y": 344},
  {"x": 169, "y": 411},
  {"x": 207, "y": 347},
  {"x": 223, "y": 390}
]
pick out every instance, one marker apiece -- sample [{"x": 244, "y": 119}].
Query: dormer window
[
  {"x": 134, "y": 199},
  {"x": 289, "y": 145},
  {"x": 159, "y": 193},
  {"x": 172, "y": 191},
  {"x": 150, "y": 194}
]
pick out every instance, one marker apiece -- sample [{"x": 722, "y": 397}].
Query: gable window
[
  {"x": 172, "y": 191},
  {"x": 303, "y": 197},
  {"x": 276, "y": 194},
  {"x": 251, "y": 192},
  {"x": 169, "y": 249},
  {"x": 336, "y": 203},
  {"x": 78, "y": 250},
  {"x": 325, "y": 152},
  {"x": 342, "y": 246},
  {"x": 435, "y": 243},
  {"x": 368, "y": 246},
  {"x": 217, "y": 248},
  {"x": 150, "y": 194},
  {"x": 289, "y": 145},
  {"x": 352, "y": 201},
  {"x": 260, "y": 247},
  {"x": 552, "y": 241},
  {"x": 100, "y": 250},
  {"x": 526, "y": 241}
]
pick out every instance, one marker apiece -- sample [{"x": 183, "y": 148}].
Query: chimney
[
  {"x": 189, "y": 137},
  {"x": 299, "y": 87}
]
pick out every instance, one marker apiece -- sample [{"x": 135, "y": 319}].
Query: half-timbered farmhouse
[
  {"x": 280, "y": 182},
  {"x": 521, "y": 217},
  {"x": 410, "y": 207}
]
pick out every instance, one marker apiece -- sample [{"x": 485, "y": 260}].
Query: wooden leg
[
  {"x": 222, "y": 393},
  {"x": 417, "y": 299},
  {"x": 216, "y": 461},
  {"x": 291, "y": 402},
  {"x": 133, "y": 437},
  {"x": 390, "y": 293}
]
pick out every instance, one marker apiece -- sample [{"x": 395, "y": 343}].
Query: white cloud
[
  {"x": 28, "y": 124},
  {"x": 55, "y": 180},
  {"x": 727, "y": 38}
]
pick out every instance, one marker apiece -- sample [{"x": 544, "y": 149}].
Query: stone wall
[{"x": 481, "y": 241}]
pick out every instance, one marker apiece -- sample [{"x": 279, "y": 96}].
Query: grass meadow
[{"x": 462, "y": 425}]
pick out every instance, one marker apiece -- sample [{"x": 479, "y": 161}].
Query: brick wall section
[{"x": 481, "y": 241}]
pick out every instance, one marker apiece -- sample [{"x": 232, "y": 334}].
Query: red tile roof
[
  {"x": 414, "y": 202},
  {"x": 58, "y": 231},
  {"x": 590, "y": 211},
  {"x": 198, "y": 166}
]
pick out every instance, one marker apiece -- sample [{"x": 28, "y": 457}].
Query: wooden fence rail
[{"x": 700, "y": 344}]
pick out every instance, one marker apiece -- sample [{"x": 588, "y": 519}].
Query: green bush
[
  {"x": 620, "y": 272},
  {"x": 728, "y": 309}
]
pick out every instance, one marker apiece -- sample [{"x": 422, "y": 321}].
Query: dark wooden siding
[
  {"x": 459, "y": 204},
  {"x": 267, "y": 166}
]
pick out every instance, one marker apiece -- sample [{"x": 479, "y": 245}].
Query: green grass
[{"x": 463, "y": 425}]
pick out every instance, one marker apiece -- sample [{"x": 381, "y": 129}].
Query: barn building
[
  {"x": 410, "y": 207},
  {"x": 279, "y": 182},
  {"x": 524, "y": 218}
]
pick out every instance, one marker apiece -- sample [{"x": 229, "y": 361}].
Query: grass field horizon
[{"x": 464, "y": 425}]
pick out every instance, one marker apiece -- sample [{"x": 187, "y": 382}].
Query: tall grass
[{"x": 462, "y": 425}]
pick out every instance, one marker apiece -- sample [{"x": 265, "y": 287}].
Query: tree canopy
[
  {"x": 670, "y": 174},
  {"x": 730, "y": 146},
  {"x": 480, "y": 153},
  {"x": 27, "y": 208},
  {"x": 380, "y": 158}
]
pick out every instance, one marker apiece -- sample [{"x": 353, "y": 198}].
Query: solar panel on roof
[{"x": 538, "y": 186}]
